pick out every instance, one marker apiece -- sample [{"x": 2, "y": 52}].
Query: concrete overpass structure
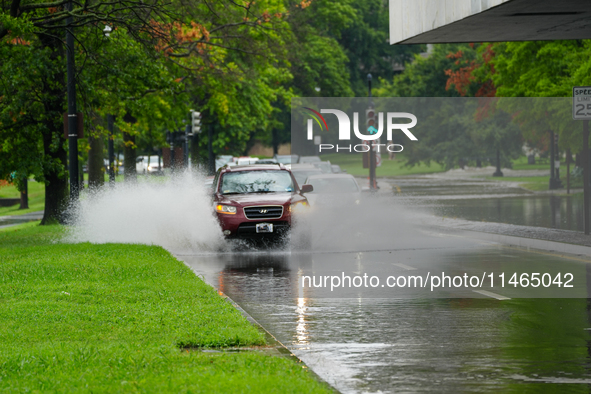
[{"x": 441, "y": 21}]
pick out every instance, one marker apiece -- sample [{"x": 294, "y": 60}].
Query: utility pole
[
  {"x": 554, "y": 163},
  {"x": 172, "y": 155},
  {"x": 581, "y": 97},
  {"x": 111, "y": 150},
  {"x": 372, "y": 154},
  {"x": 72, "y": 113},
  {"x": 195, "y": 131},
  {"x": 186, "y": 146},
  {"x": 586, "y": 175},
  {"x": 110, "y": 120},
  {"x": 210, "y": 155}
]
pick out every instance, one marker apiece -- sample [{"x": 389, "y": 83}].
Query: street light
[
  {"x": 370, "y": 114},
  {"x": 111, "y": 149},
  {"x": 72, "y": 117}
]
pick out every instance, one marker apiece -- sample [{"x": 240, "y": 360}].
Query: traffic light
[
  {"x": 196, "y": 122},
  {"x": 370, "y": 117}
]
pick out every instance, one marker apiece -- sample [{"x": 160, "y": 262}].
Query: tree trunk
[
  {"x": 129, "y": 158},
  {"x": 25, "y": 195},
  {"x": 56, "y": 184},
  {"x": 96, "y": 167},
  {"x": 275, "y": 141}
]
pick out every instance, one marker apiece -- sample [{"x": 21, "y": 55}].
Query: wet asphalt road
[
  {"x": 473, "y": 337},
  {"x": 417, "y": 341}
]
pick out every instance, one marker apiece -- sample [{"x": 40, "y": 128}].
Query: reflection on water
[
  {"x": 560, "y": 212},
  {"x": 416, "y": 345},
  {"x": 301, "y": 329}
]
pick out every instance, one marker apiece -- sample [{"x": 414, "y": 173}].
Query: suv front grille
[{"x": 263, "y": 212}]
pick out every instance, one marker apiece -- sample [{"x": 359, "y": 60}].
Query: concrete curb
[{"x": 521, "y": 242}]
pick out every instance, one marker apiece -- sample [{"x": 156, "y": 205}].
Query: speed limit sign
[{"x": 582, "y": 103}]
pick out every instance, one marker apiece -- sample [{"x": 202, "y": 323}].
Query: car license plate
[{"x": 264, "y": 227}]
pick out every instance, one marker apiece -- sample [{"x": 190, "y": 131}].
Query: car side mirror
[{"x": 307, "y": 188}]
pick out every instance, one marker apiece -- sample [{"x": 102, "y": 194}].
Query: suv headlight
[
  {"x": 300, "y": 206},
  {"x": 227, "y": 209}
]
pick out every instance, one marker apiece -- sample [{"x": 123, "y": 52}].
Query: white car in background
[
  {"x": 148, "y": 165},
  {"x": 302, "y": 171},
  {"x": 333, "y": 189}
]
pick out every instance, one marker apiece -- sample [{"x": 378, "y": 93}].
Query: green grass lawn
[
  {"x": 534, "y": 183},
  {"x": 389, "y": 168},
  {"x": 521, "y": 164},
  {"x": 122, "y": 318},
  {"x": 538, "y": 183},
  {"x": 36, "y": 198}
]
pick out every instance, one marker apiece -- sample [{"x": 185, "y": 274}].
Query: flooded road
[
  {"x": 488, "y": 201},
  {"x": 508, "y": 319},
  {"x": 413, "y": 339}
]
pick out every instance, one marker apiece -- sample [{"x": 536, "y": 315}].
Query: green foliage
[
  {"x": 365, "y": 40},
  {"x": 543, "y": 69},
  {"x": 424, "y": 76}
]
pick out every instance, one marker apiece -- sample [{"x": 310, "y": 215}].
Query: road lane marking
[
  {"x": 406, "y": 267},
  {"x": 491, "y": 294}
]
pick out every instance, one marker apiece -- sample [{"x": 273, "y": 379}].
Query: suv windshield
[{"x": 256, "y": 182}]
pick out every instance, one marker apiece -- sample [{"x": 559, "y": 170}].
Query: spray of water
[
  {"x": 175, "y": 213},
  {"x": 370, "y": 223}
]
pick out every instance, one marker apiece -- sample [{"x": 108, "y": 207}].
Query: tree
[
  {"x": 424, "y": 76},
  {"x": 160, "y": 60},
  {"x": 32, "y": 92}
]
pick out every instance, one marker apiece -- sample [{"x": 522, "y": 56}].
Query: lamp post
[
  {"x": 72, "y": 113},
  {"x": 372, "y": 154},
  {"x": 110, "y": 120}
]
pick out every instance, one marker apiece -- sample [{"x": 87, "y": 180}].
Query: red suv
[{"x": 257, "y": 201}]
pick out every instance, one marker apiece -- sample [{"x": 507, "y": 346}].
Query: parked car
[
  {"x": 336, "y": 169},
  {"x": 323, "y": 166},
  {"x": 333, "y": 189},
  {"x": 302, "y": 171},
  {"x": 242, "y": 161},
  {"x": 266, "y": 161},
  {"x": 222, "y": 160},
  {"x": 309, "y": 159},
  {"x": 257, "y": 201},
  {"x": 286, "y": 159}
]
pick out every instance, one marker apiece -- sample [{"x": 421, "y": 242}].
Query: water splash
[{"x": 175, "y": 213}]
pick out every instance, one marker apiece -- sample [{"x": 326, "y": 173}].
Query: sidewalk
[
  {"x": 540, "y": 238},
  {"x": 7, "y": 221}
]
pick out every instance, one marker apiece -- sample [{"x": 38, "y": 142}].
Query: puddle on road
[
  {"x": 493, "y": 202},
  {"x": 387, "y": 345},
  {"x": 559, "y": 212}
]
